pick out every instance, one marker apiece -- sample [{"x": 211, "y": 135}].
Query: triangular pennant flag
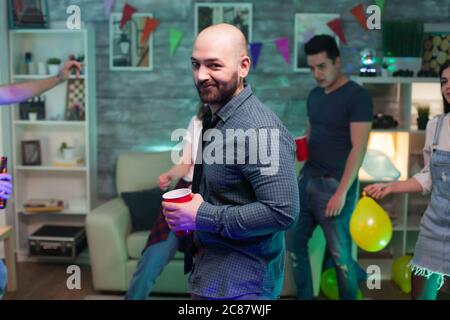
[
  {"x": 255, "y": 50},
  {"x": 336, "y": 26},
  {"x": 127, "y": 12},
  {"x": 283, "y": 48},
  {"x": 175, "y": 36},
  {"x": 359, "y": 14},
  {"x": 108, "y": 7},
  {"x": 149, "y": 27},
  {"x": 380, "y": 3},
  {"x": 308, "y": 34}
]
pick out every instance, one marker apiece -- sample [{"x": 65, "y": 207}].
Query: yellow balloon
[
  {"x": 370, "y": 226},
  {"x": 401, "y": 273}
]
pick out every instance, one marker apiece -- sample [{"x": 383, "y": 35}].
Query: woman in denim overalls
[{"x": 431, "y": 261}]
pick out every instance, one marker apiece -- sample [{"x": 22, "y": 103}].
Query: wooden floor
[{"x": 47, "y": 281}]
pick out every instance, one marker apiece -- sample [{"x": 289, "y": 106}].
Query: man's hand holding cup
[{"x": 180, "y": 208}]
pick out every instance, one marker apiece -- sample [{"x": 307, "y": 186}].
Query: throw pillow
[{"x": 144, "y": 207}]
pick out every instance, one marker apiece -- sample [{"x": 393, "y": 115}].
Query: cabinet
[
  {"x": 72, "y": 180},
  {"x": 399, "y": 97}
]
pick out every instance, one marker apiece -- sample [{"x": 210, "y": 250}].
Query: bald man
[{"x": 244, "y": 197}]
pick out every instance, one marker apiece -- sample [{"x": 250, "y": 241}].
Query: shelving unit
[
  {"x": 398, "y": 97},
  {"x": 75, "y": 185}
]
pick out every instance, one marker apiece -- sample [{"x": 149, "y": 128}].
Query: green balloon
[
  {"x": 401, "y": 273},
  {"x": 329, "y": 285}
]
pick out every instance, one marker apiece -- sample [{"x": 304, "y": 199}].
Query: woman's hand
[
  {"x": 5, "y": 186},
  {"x": 378, "y": 190},
  {"x": 164, "y": 181}
]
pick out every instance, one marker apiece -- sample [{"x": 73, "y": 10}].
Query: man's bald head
[
  {"x": 224, "y": 37},
  {"x": 219, "y": 64}
]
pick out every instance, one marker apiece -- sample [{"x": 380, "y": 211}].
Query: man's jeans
[
  {"x": 150, "y": 266},
  {"x": 3, "y": 278},
  {"x": 314, "y": 196}
]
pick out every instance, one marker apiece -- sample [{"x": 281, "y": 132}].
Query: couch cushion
[
  {"x": 144, "y": 207},
  {"x": 140, "y": 170},
  {"x": 136, "y": 242}
]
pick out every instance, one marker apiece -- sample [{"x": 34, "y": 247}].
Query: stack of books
[
  {"x": 68, "y": 163},
  {"x": 43, "y": 205}
]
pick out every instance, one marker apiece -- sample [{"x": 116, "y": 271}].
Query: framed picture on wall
[
  {"x": 28, "y": 14},
  {"x": 306, "y": 26},
  {"x": 237, "y": 14},
  {"x": 31, "y": 153},
  {"x": 126, "y": 51}
]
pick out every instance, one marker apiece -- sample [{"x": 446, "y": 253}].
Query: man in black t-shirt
[{"x": 339, "y": 122}]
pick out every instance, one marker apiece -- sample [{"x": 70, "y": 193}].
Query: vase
[
  {"x": 53, "y": 69},
  {"x": 68, "y": 153}
]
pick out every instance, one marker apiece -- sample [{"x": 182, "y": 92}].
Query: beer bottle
[{"x": 3, "y": 169}]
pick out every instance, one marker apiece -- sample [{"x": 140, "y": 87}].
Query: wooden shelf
[
  {"x": 393, "y": 80},
  {"x": 65, "y": 212},
  {"x": 73, "y": 207},
  {"x": 37, "y": 76},
  {"x": 49, "y": 123},
  {"x": 47, "y": 31},
  {"x": 390, "y": 130},
  {"x": 49, "y": 168}
]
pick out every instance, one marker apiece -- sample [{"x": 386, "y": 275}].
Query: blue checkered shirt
[{"x": 240, "y": 226}]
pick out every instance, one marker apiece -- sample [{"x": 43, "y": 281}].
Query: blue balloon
[{"x": 379, "y": 166}]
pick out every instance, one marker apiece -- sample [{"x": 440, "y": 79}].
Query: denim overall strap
[{"x": 437, "y": 133}]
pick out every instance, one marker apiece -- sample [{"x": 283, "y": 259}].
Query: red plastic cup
[
  {"x": 178, "y": 196},
  {"x": 302, "y": 148}
]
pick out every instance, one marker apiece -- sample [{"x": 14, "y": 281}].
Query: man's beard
[{"x": 214, "y": 93}]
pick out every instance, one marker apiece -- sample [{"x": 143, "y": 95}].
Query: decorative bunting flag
[
  {"x": 380, "y": 3},
  {"x": 308, "y": 34},
  {"x": 149, "y": 27},
  {"x": 108, "y": 7},
  {"x": 359, "y": 14},
  {"x": 255, "y": 50},
  {"x": 283, "y": 48},
  {"x": 175, "y": 36},
  {"x": 336, "y": 26},
  {"x": 127, "y": 12}
]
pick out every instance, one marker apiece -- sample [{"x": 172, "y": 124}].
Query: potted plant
[
  {"x": 423, "y": 114},
  {"x": 67, "y": 152},
  {"x": 53, "y": 65}
]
